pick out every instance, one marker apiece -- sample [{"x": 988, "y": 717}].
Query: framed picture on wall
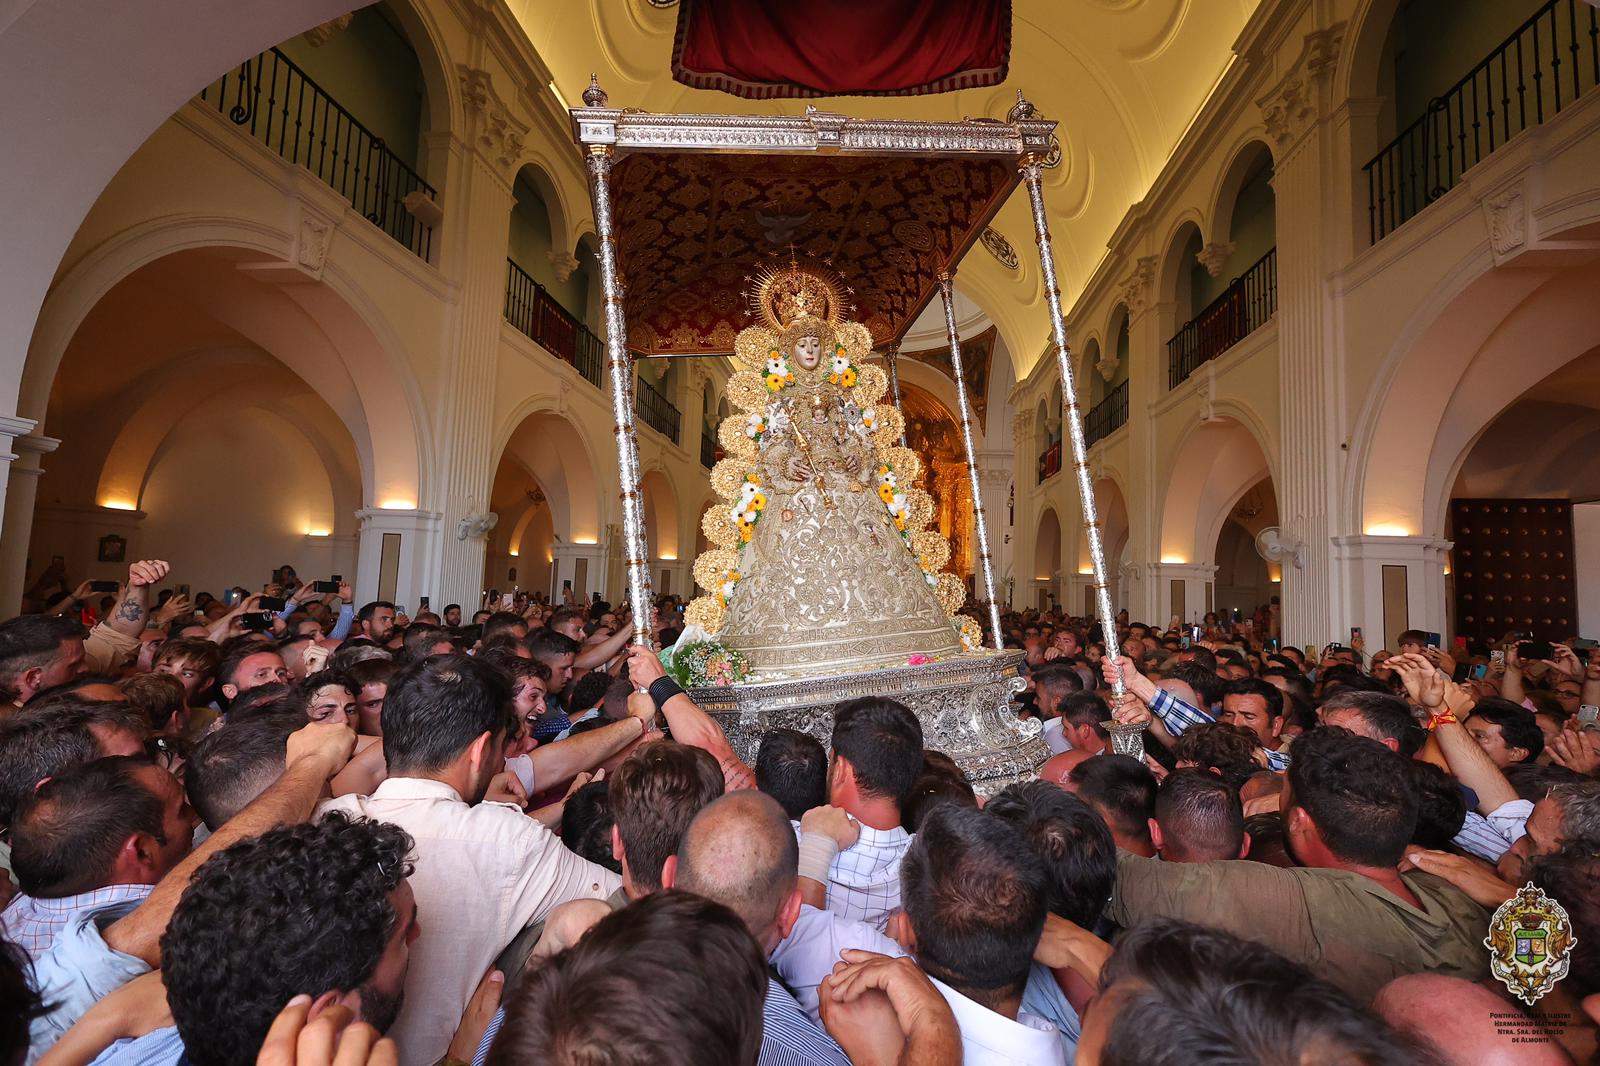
[{"x": 113, "y": 549}]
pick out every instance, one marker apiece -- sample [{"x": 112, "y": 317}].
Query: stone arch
[
  {"x": 1243, "y": 162},
  {"x": 1184, "y": 239},
  {"x": 1047, "y": 546},
  {"x": 539, "y": 170},
  {"x": 663, "y": 523},
  {"x": 78, "y": 135},
  {"x": 1111, "y": 504},
  {"x": 331, "y": 334},
  {"x": 1443, "y": 383},
  {"x": 443, "y": 90},
  {"x": 190, "y": 386},
  {"x": 554, "y": 452},
  {"x": 1212, "y": 466}
]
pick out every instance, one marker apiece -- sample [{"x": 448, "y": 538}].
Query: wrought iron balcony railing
[
  {"x": 1243, "y": 308},
  {"x": 657, "y": 411},
  {"x": 1550, "y": 61},
  {"x": 1107, "y": 416},
  {"x": 1050, "y": 462},
  {"x": 708, "y": 450},
  {"x": 277, "y": 104},
  {"x": 537, "y": 315}
]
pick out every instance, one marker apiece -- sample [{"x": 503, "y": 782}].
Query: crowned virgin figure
[{"x": 822, "y": 561}]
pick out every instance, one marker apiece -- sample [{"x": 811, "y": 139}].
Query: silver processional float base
[{"x": 963, "y": 703}]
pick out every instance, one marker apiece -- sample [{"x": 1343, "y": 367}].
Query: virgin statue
[{"x": 822, "y": 562}]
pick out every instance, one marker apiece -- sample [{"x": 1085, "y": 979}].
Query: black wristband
[{"x": 663, "y": 689}]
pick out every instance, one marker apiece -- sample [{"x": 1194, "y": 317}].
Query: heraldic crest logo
[{"x": 1530, "y": 943}]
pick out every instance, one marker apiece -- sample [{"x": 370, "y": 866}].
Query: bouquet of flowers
[{"x": 707, "y": 663}]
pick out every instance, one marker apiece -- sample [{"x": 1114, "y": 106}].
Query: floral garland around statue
[
  {"x": 753, "y": 391},
  {"x": 706, "y": 663}
]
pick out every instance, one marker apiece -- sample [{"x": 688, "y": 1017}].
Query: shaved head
[
  {"x": 1464, "y": 1022},
  {"x": 740, "y": 851}
]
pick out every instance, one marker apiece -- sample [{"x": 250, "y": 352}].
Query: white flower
[
  {"x": 839, "y": 364},
  {"x": 891, "y": 481},
  {"x": 778, "y": 365},
  {"x": 869, "y": 420},
  {"x": 932, "y": 579},
  {"x": 727, "y": 588},
  {"x": 748, "y": 490},
  {"x": 751, "y": 516},
  {"x": 898, "y": 504},
  {"x": 754, "y": 425}
]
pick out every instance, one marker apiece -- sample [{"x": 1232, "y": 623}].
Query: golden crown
[{"x": 784, "y": 292}]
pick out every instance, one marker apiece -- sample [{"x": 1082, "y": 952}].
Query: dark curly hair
[
  {"x": 1228, "y": 749},
  {"x": 304, "y": 908},
  {"x": 1360, "y": 794}
]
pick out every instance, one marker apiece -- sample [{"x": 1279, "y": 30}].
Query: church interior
[{"x": 296, "y": 284}]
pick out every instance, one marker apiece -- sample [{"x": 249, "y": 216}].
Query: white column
[
  {"x": 1294, "y": 113},
  {"x": 1390, "y": 584},
  {"x": 564, "y": 567},
  {"x": 994, "y": 474},
  {"x": 1196, "y": 579},
  {"x": 20, "y": 496},
  {"x": 393, "y": 558},
  {"x": 478, "y": 206}
]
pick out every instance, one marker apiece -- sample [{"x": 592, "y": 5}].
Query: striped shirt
[
  {"x": 32, "y": 924},
  {"x": 1178, "y": 715},
  {"x": 864, "y": 880}
]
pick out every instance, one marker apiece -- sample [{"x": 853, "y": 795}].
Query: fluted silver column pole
[
  {"x": 636, "y": 555},
  {"x": 1125, "y": 740},
  {"x": 891, "y": 357},
  {"x": 980, "y": 521}
]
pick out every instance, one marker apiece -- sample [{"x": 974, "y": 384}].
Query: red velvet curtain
[{"x": 760, "y": 49}]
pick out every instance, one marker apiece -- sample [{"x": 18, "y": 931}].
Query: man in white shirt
[
  {"x": 483, "y": 868},
  {"x": 975, "y": 896},
  {"x": 1052, "y": 683},
  {"x": 877, "y": 755}
]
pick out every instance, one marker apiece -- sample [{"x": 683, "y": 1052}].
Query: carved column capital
[
  {"x": 496, "y": 132},
  {"x": 1292, "y": 106},
  {"x": 563, "y": 263},
  {"x": 1138, "y": 287},
  {"x": 1215, "y": 255}
]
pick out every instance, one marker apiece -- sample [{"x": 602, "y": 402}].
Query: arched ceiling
[{"x": 1123, "y": 77}]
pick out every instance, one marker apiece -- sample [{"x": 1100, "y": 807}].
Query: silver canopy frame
[{"x": 1026, "y": 140}]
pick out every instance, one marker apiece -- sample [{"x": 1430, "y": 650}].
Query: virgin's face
[{"x": 808, "y": 352}]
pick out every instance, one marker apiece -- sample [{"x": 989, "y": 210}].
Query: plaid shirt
[
  {"x": 864, "y": 881},
  {"x": 1178, "y": 715},
  {"x": 32, "y": 924}
]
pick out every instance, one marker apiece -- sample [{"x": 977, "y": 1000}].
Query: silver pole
[
  {"x": 891, "y": 356},
  {"x": 1126, "y": 741},
  {"x": 979, "y": 521},
  {"x": 635, "y": 550}
]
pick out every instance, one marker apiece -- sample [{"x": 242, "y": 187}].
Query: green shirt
[{"x": 1342, "y": 926}]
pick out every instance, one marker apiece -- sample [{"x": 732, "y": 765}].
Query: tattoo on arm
[{"x": 131, "y": 610}]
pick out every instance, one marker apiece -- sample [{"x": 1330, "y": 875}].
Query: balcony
[
  {"x": 1521, "y": 84},
  {"x": 1243, "y": 308},
  {"x": 657, "y": 411},
  {"x": 1106, "y": 417},
  {"x": 708, "y": 450},
  {"x": 1050, "y": 462},
  {"x": 537, "y": 315},
  {"x": 278, "y": 105}
]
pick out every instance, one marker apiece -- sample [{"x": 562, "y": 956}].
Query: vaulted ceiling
[{"x": 1123, "y": 77}]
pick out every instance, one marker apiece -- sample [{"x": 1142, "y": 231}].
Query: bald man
[
  {"x": 740, "y": 851},
  {"x": 1466, "y": 1023}
]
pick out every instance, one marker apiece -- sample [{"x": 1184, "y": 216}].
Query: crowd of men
[{"x": 288, "y": 830}]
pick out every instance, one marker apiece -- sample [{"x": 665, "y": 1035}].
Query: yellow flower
[
  {"x": 848, "y": 379},
  {"x": 775, "y": 382},
  {"x": 899, "y": 523},
  {"x": 758, "y": 502},
  {"x": 886, "y": 493}
]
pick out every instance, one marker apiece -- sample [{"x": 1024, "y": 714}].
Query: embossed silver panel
[{"x": 963, "y": 704}]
